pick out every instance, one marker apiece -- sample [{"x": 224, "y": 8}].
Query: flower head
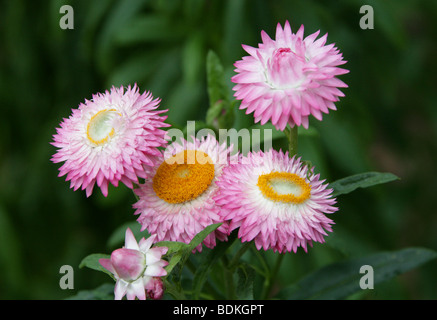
[
  {"x": 176, "y": 203},
  {"x": 155, "y": 289},
  {"x": 110, "y": 138},
  {"x": 135, "y": 267},
  {"x": 287, "y": 79},
  {"x": 275, "y": 201}
]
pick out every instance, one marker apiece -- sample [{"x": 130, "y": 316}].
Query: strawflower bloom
[
  {"x": 135, "y": 267},
  {"x": 287, "y": 79},
  {"x": 176, "y": 202},
  {"x": 110, "y": 138},
  {"x": 275, "y": 201}
]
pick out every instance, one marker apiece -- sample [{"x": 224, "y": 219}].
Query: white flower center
[
  {"x": 282, "y": 186},
  {"x": 101, "y": 126}
]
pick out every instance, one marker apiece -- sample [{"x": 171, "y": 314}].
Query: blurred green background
[{"x": 387, "y": 122}]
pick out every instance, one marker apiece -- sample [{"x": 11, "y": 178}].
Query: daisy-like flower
[
  {"x": 176, "y": 203},
  {"x": 287, "y": 79},
  {"x": 136, "y": 267},
  {"x": 275, "y": 201},
  {"x": 110, "y": 138}
]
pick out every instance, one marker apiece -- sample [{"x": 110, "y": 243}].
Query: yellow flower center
[
  {"x": 183, "y": 177},
  {"x": 100, "y": 127},
  {"x": 284, "y": 187}
]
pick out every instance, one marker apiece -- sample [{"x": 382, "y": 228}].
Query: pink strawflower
[
  {"x": 155, "y": 289},
  {"x": 287, "y": 79},
  {"x": 176, "y": 203},
  {"x": 135, "y": 267},
  {"x": 110, "y": 138},
  {"x": 275, "y": 201}
]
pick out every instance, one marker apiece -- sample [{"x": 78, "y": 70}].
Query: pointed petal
[
  {"x": 120, "y": 289},
  {"x": 130, "y": 241}
]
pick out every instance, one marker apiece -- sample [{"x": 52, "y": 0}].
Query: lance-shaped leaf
[
  {"x": 217, "y": 88},
  {"x": 342, "y": 279},
  {"x": 361, "y": 180}
]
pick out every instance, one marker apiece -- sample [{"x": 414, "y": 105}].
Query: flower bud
[
  {"x": 155, "y": 288},
  {"x": 129, "y": 264}
]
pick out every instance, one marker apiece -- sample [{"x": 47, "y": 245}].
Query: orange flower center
[
  {"x": 284, "y": 187},
  {"x": 183, "y": 177}
]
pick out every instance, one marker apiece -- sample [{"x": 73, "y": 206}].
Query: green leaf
[
  {"x": 342, "y": 279},
  {"x": 103, "y": 292},
  {"x": 214, "y": 112},
  {"x": 92, "y": 261},
  {"x": 208, "y": 261},
  {"x": 198, "y": 238},
  {"x": 227, "y": 118},
  {"x": 173, "y": 246},
  {"x": 245, "y": 276},
  {"x": 173, "y": 261},
  {"x": 174, "y": 253},
  {"x": 221, "y": 111},
  {"x": 361, "y": 180},
  {"x": 217, "y": 88}
]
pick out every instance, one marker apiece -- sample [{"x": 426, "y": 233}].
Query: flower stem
[
  {"x": 270, "y": 281},
  {"x": 236, "y": 259},
  {"x": 229, "y": 280},
  {"x": 135, "y": 186},
  {"x": 291, "y": 134}
]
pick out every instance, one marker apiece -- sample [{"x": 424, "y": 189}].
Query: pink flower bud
[
  {"x": 155, "y": 289},
  {"x": 129, "y": 264}
]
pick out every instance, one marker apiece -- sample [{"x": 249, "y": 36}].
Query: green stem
[
  {"x": 270, "y": 280},
  {"x": 207, "y": 285},
  {"x": 276, "y": 271},
  {"x": 135, "y": 186},
  {"x": 262, "y": 260},
  {"x": 236, "y": 259},
  {"x": 229, "y": 280},
  {"x": 291, "y": 134}
]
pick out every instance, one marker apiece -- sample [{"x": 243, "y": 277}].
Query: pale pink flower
[
  {"x": 110, "y": 138},
  {"x": 135, "y": 266},
  {"x": 275, "y": 201},
  {"x": 176, "y": 202},
  {"x": 287, "y": 79}
]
